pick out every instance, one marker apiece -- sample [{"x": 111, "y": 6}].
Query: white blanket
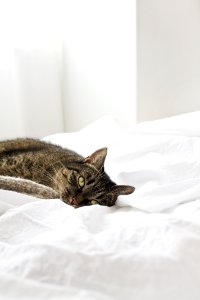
[{"x": 146, "y": 247}]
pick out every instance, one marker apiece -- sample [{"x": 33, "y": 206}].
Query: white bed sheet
[{"x": 146, "y": 247}]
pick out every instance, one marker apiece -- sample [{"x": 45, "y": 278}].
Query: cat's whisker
[
  {"x": 59, "y": 176},
  {"x": 43, "y": 172},
  {"x": 99, "y": 177}
]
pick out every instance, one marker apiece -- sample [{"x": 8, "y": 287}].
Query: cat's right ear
[
  {"x": 97, "y": 158},
  {"x": 123, "y": 189}
]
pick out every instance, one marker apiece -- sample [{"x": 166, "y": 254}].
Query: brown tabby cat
[{"x": 49, "y": 171}]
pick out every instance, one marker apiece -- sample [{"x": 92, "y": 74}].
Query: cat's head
[{"x": 84, "y": 182}]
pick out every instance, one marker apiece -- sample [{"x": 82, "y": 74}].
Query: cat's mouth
[
  {"x": 73, "y": 202},
  {"x": 70, "y": 200}
]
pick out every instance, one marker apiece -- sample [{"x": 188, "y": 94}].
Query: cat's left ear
[
  {"x": 97, "y": 158},
  {"x": 123, "y": 189}
]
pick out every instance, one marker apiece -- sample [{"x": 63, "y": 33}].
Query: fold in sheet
[
  {"x": 134, "y": 250},
  {"x": 163, "y": 167},
  {"x": 52, "y": 251}
]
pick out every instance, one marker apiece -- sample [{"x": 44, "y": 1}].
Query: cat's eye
[
  {"x": 93, "y": 202},
  {"x": 81, "y": 181}
]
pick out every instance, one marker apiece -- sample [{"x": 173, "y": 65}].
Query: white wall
[
  {"x": 168, "y": 57},
  {"x": 74, "y": 64},
  {"x": 99, "y": 61}
]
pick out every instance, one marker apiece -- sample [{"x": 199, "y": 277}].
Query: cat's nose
[{"x": 73, "y": 201}]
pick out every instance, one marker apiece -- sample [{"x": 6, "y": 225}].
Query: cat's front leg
[{"x": 27, "y": 187}]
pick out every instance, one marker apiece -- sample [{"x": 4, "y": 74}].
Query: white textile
[{"x": 145, "y": 247}]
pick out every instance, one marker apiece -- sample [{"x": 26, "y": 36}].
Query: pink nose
[{"x": 73, "y": 201}]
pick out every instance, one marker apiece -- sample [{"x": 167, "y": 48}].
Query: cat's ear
[
  {"x": 97, "y": 158},
  {"x": 123, "y": 189}
]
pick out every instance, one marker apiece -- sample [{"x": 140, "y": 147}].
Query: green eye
[
  {"x": 81, "y": 181},
  {"x": 94, "y": 202}
]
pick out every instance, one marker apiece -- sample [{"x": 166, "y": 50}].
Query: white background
[
  {"x": 100, "y": 61},
  {"x": 168, "y": 57},
  {"x": 63, "y": 64}
]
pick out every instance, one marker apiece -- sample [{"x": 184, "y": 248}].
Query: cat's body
[{"x": 56, "y": 172}]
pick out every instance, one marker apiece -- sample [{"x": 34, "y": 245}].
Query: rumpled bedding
[{"x": 145, "y": 247}]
